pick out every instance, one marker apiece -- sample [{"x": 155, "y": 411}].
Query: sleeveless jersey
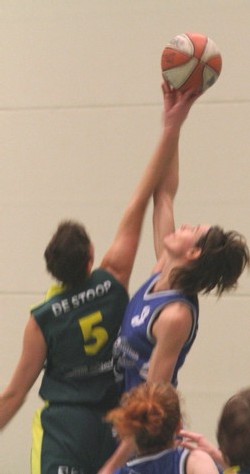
[
  {"x": 134, "y": 346},
  {"x": 169, "y": 461},
  {"x": 79, "y": 327}
]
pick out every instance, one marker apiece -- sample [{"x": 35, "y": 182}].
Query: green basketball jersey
[{"x": 80, "y": 327}]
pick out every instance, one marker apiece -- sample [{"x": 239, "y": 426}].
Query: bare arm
[
  {"x": 200, "y": 462},
  {"x": 164, "y": 194},
  {"x": 123, "y": 453},
  {"x": 120, "y": 258},
  {"x": 171, "y": 330},
  {"x": 28, "y": 368}
]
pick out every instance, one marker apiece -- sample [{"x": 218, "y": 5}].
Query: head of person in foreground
[
  {"x": 150, "y": 414},
  {"x": 233, "y": 432}
]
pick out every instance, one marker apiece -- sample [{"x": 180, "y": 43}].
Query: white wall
[{"x": 80, "y": 111}]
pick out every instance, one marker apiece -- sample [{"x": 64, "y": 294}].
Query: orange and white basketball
[{"x": 191, "y": 61}]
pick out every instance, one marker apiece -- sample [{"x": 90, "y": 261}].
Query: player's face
[{"x": 185, "y": 239}]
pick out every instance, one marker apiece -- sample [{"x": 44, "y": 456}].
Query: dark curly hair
[
  {"x": 151, "y": 414},
  {"x": 68, "y": 253},
  {"x": 224, "y": 255},
  {"x": 233, "y": 432}
]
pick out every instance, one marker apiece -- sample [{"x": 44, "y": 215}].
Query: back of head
[
  {"x": 68, "y": 253},
  {"x": 233, "y": 432},
  {"x": 150, "y": 413},
  {"x": 224, "y": 256}
]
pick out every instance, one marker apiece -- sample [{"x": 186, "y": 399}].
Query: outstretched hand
[
  {"x": 177, "y": 104},
  {"x": 191, "y": 441}
]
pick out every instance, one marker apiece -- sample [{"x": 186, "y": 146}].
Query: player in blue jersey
[
  {"x": 161, "y": 320},
  {"x": 150, "y": 416},
  {"x": 73, "y": 331},
  {"x": 233, "y": 435}
]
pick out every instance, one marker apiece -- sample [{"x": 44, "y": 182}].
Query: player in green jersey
[{"x": 73, "y": 331}]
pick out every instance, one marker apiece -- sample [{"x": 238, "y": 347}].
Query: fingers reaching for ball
[{"x": 177, "y": 104}]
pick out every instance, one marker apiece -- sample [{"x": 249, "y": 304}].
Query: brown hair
[
  {"x": 233, "y": 432},
  {"x": 68, "y": 253},
  {"x": 224, "y": 255},
  {"x": 151, "y": 414}
]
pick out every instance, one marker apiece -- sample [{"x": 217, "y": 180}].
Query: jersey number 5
[{"x": 95, "y": 336}]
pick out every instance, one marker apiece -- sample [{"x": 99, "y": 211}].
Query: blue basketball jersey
[
  {"x": 169, "y": 461},
  {"x": 134, "y": 346}
]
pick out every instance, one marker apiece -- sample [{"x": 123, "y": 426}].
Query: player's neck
[{"x": 168, "y": 266}]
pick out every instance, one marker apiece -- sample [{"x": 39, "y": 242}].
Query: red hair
[{"x": 150, "y": 413}]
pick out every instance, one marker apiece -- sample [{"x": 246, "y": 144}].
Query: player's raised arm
[{"x": 119, "y": 259}]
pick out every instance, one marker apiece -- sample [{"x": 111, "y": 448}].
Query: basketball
[{"x": 191, "y": 61}]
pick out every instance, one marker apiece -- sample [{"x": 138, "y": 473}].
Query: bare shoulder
[
  {"x": 33, "y": 340},
  {"x": 200, "y": 462},
  {"x": 173, "y": 326},
  {"x": 32, "y": 327},
  {"x": 174, "y": 315}
]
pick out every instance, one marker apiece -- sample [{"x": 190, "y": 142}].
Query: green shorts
[{"x": 70, "y": 439}]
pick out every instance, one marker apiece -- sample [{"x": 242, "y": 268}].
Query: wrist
[{"x": 172, "y": 128}]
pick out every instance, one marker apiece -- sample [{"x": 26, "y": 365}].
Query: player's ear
[{"x": 193, "y": 253}]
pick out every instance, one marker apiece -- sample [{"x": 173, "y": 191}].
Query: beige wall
[{"x": 80, "y": 113}]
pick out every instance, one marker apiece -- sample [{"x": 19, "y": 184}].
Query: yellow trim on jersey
[
  {"x": 37, "y": 435},
  {"x": 54, "y": 290},
  {"x": 232, "y": 470}
]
